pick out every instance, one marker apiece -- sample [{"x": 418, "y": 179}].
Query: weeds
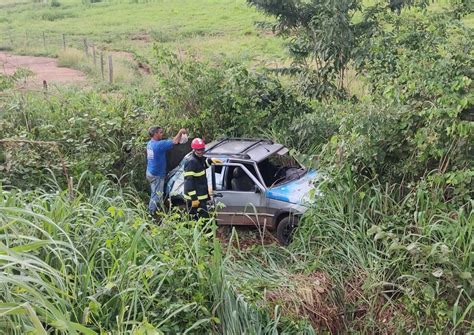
[{"x": 96, "y": 264}]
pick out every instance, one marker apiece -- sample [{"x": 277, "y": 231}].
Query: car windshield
[{"x": 280, "y": 168}]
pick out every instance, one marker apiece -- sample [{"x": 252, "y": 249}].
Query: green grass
[
  {"x": 207, "y": 29},
  {"x": 204, "y": 28},
  {"x": 96, "y": 264}
]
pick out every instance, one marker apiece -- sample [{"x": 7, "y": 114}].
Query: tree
[{"x": 322, "y": 36}]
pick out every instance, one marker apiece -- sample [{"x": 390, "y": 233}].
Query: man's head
[
  {"x": 198, "y": 147},
  {"x": 155, "y": 132}
]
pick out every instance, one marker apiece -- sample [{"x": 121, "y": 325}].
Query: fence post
[
  {"x": 111, "y": 70},
  {"x": 94, "y": 55},
  {"x": 86, "y": 47},
  {"x": 44, "y": 41},
  {"x": 64, "y": 42},
  {"x": 102, "y": 64}
]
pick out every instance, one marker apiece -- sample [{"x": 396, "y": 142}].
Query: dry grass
[
  {"x": 72, "y": 58},
  {"x": 308, "y": 298}
]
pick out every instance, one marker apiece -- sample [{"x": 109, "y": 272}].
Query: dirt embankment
[{"x": 43, "y": 68}]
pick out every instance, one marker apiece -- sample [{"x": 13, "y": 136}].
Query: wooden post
[
  {"x": 27, "y": 43},
  {"x": 44, "y": 41},
  {"x": 86, "y": 47},
  {"x": 94, "y": 55},
  {"x": 64, "y": 42},
  {"x": 111, "y": 70},
  {"x": 102, "y": 64},
  {"x": 45, "y": 86}
]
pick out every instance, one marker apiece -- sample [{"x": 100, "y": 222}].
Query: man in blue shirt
[{"x": 156, "y": 163}]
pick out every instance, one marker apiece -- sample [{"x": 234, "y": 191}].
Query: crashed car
[{"x": 258, "y": 184}]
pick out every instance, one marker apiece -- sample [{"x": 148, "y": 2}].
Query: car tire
[{"x": 285, "y": 229}]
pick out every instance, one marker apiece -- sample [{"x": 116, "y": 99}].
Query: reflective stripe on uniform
[
  {"x": 195, "y": 174},
  {"x": 192, "y": 193},
  {"x": 200, "y": 197}
]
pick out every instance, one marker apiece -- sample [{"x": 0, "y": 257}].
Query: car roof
[{"x": 243, "y": 148}]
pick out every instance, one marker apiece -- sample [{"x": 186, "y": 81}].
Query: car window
[
  {"x": 234, "y": 178},
  {"x": 219, "y": 176},
  {"x": 280, "y": 168},
  {"x": 239, "y": 179}
]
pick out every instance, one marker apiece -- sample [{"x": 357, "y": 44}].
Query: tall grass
[
  {"x": 411, "y": 254},
  {"x": 97, "y": 264},
  {"x": 369, "y": 259}
]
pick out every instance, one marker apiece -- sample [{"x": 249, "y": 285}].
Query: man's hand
[
  {"x": 216, "y": 161},
  {"x": 177, "y": 138},
  {"x": 195, "y": 203}
]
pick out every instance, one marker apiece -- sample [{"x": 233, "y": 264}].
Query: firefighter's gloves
[
  {"x": 195, "y": 203},
  {"x": 216, "y": 161}
]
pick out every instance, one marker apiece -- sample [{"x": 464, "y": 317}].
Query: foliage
[
  {"x": 113, "y": 257},
  {"x": 420, "y": 77},
  {"x": 413, "y": 248},
  {"x": 105, "y": 134},
  {"x": 386, "y": 245},
  {"x": 323, "y": 35},
  {"x": 392, "y": 227},
  {"x": 8, "y": 82},
  {"x": 226, "y": 100},
  {"x": 55, "y": 3},
  {"x": 98, "y": 135},
  {"x": 96, "y": 264}
]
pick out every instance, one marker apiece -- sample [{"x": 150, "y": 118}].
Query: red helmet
[{"x": 198, "y": 144}]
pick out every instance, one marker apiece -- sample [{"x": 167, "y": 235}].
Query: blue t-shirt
[{"x": 156, "y": 156}]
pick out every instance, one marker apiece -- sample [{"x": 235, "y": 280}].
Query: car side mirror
[{"x": 257, "y": 189}]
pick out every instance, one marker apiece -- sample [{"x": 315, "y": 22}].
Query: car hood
[{"x": 295, "y": 191}]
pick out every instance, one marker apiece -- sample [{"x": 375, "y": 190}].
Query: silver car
[{"x": 259, "y": 184}]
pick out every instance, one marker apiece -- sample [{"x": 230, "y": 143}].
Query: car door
[{"x": 238, "y": 207}]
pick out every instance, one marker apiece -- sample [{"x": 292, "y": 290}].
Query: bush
[
  {"x": 227, "y": 99},
  {"x": 411, "y": 124},
  {"x": 97, "y": 136},
  {"x": 72, "y": 58}
]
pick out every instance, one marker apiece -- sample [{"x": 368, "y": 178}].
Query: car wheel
[{"x": 285, "y": 229}]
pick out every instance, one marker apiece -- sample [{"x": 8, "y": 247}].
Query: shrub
[{"x": 227, "y": 99}]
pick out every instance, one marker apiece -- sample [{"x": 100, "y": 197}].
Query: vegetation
[
  {"x": 95, "y": 264},
  {"x": 183, "y": 25},
  {"x": 385, "y": 247}
]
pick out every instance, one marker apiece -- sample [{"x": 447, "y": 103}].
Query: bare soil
[
  {"x": 44, "y": 69},
  {"x": 248, "y": 237}
]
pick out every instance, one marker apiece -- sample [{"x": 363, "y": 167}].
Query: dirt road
[{"x": 44, "y": 69}]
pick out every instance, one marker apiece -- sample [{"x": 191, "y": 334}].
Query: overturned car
[{"x": 258, "y": 183}]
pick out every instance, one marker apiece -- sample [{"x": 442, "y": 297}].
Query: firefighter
[{"x": 196, "y": 190}]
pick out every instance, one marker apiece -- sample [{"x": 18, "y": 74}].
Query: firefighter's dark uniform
[{"x": 195, "y": 185}]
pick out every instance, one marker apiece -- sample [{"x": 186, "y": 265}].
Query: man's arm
[{"x": 180, "y": 133}]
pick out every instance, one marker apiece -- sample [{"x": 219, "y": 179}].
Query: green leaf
[{"x": 465, "y": 275}]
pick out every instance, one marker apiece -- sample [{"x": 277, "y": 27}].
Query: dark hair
[{"x": 153, "y": 130}]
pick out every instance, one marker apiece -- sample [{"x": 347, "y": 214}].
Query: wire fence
[{"x": 53, "y": 43}]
